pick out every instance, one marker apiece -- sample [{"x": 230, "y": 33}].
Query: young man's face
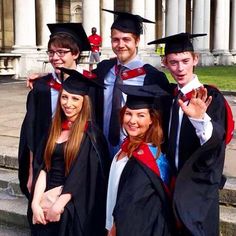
[
  {"x": 181, "y": 66},
  {"x": 124, "y": 45},
  {"x": 67, "y": 59}
]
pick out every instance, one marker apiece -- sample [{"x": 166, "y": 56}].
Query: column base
[
  {"x": 152, "y": 59},
  {"x": 23, "y": 49},
  {"x": 222, "y": 57},
  {"x": 206, "y": 59}
]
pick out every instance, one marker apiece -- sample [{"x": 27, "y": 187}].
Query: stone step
[
  {"x": 9, "y": 151},
  {"x": 13, "y": 213},
  {"x": 13, "y": 210},
  {"x": 227, "y": 221},
  {"x": 9, "y": 182},
  {"x": 13, "y": 206},
  {"x": 228, "y": 193},
  {"x": 6, "y": 230}
]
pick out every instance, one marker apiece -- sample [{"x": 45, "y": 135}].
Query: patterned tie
[
  {"x": 174, "y": 128},
  {"x": 114, "y": 126}
]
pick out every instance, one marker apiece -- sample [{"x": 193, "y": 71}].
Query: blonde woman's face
[{"x": 71, "y": 104}]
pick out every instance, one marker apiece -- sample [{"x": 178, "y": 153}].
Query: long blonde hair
[
  {"x": 75, "y": 137},
  {"x": 153, "y": 135}
]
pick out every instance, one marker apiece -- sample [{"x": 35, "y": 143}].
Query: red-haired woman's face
[{"x": 136, "y": 122}]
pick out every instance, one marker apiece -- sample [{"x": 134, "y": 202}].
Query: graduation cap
[
  {"x": 77, "y": 83},
  {"x": 139, "y": 97},
  {"x": 177, "y": 43},
  {"x": 75, "y": 30},
  {"x": 128, "y": 23}
]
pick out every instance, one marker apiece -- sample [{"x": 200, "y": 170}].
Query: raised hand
[{"x": 198, "y": 104}]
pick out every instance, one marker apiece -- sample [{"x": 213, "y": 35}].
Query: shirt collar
[
  {"x": 54, "y": 75},
  {"x": 134, "y": 63},
  {"x": 193, "y": 84}
]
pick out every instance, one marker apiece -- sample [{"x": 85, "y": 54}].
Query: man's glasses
[{"x": 60, "y": 53}]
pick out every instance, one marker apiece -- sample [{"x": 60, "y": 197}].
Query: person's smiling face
[
  {"x": 62, "y": 57},
  {"x": 136, "y": 122},
  {"x": 124, "y": 45},
  {"x": 71, "y": 104}
]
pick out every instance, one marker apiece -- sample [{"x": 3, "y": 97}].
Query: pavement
[{"x": 13, "y": 95}]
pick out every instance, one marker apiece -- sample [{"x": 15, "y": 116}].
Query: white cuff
[{"x": 203, "y": 128}]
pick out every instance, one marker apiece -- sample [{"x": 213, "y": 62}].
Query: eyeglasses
[{"x": 60, "y": 53}]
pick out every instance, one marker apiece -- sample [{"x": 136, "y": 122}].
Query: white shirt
[
  {"x": 203, "y": 127},
  {"x": 116, "y": 169}
]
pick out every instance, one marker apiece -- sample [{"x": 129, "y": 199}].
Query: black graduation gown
[
  {"x": 142, "y": 206},
  {"x": 35, "y": 125},
  {"x": 153, "y": 76},
  {"x": 196, "y": 198},
  {"x": 84, "y": 215}
]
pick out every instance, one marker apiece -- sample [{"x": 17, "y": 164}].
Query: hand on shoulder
[{"x": 32, "y": 77}]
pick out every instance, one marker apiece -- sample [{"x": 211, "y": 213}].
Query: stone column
[
  {"x": 25, "y": 30},
  {"x": 198, "y": 23},
  {"x": 221, "y": 37},
  {"x": 207, "y": 22},
  {"x": 106, "y": 21},
  {"x": 172, "y": 24},
  {"x": 201, "y": 24},
  {"x": 138, "y": 7},
  {"x": 150, "y": 56},
  {"x": 233, "y": 29},
  {"x": 182, "y": 16},
  {"x": 46, "y": 13},
  {"x": 91, "y": 15},
  {"x": 149, "y": 29}
]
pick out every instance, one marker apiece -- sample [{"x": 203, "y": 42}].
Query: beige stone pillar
[
  {"x": 233, "y": 29},
  {"x": 220, "y": 27},
  {"x": 46, "y": 13},
  {"x": 198, "y": 23},
  {"x": 172, "y": 7},
  {"x": 182, "y": 16},
  {"x": 221, "y": 37},
  {"x": 106, "y": 21},
  {"x": 91, "y": 15},
  {"x": 149, "y": 29},
  {"x": 201, "y": 24},
  {"x": 138, "y": 7},
  {"x": 207, "y": 23},
  {"x": 25, "y": 30}
]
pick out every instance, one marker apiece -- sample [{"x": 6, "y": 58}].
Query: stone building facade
[{"x": 24, "y": 34}]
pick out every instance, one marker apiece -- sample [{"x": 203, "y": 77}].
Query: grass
[{"x": 223, "y": 77}]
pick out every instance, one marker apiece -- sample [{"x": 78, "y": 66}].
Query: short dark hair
[{"x": 64, "y": 40}]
